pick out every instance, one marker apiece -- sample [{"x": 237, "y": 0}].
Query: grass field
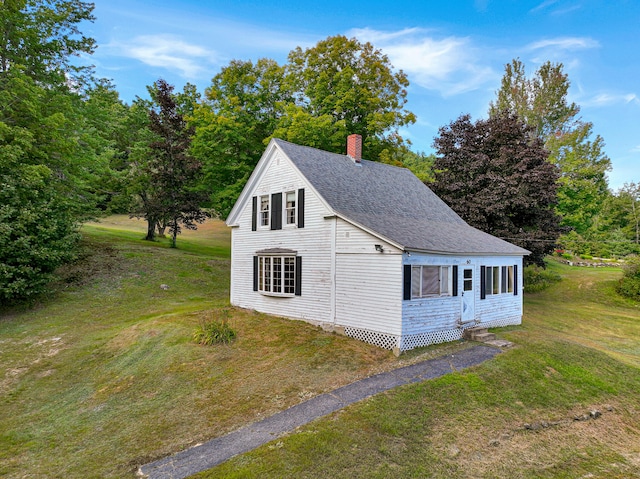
[{"x": 102, "y": 376}]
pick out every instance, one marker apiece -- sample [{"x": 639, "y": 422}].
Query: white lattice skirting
[
  {"x": 382, "y": 340},
  {"x": 412, "y": 341}
]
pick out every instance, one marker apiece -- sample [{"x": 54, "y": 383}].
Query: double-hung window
[
  {"x": 429, "y": 281},
  {"x": 498, "y": 280},
  {"x": 492, "y": 279},
  {"x": 264, "y": 210},
  {"x": 290, "y": 208},
  {"x": 275, "y": 210}
]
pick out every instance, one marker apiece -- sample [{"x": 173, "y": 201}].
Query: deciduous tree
[
  {"x": 541, "y": 101},
  {"x": 494, "y": 173},
  {"x": 239, "y": 112},
  {"x": 356, "y": 85},
  {"x": 45, "y": 163},
  {"x": 323, "y": 94},
  {"x": 170, "y": 174}
]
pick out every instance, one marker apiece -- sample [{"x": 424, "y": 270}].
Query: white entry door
[{"x": 468, "y": 296}]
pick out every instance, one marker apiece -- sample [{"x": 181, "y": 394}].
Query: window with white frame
[
  {"x": 278, "y": 209},
  {"x": 290, "y": 208},
  {"x": 277, "y": 274},
  {"x": 508, "y": 274},
  {"x": 499, "y": 279},
  {"x": 429, "y": 281},
  {"x": 264, "y": 210}
]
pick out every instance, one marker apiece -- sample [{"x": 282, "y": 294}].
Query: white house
[{"x": 367, "y": 249}]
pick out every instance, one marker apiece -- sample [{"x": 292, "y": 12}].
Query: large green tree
[
  {"x": 541, "y": 101},
  {"x": 43, "y": 38},
  {"x": 323, "y": 94},
  {"x": 170, "y": 173},
  {"x": 46, "y": 165},
  {"x": 494, "y": 173},
  {"x": 38, "y": 208},
  {"x": 354, "y": 84},
  {"x": 240, "y": 110}
]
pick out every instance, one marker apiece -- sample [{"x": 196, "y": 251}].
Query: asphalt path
[{"x": 216, "y": 451}]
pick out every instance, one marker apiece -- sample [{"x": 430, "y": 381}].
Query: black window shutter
[
  {"x": 254, "y": 213},
  {"x": 276, "y": 211},
  {"x": 298, "y": 285},
  {"x": 515, "y": 280},
  {"x": 454, "y": 285},
  {"x": 406, "y": 280},
  {"x": 503, "y": 287},
  {"x": 483, "y": 290},
  {"x": 301, "y": 208},
  {"x": 255, "y": 273}
]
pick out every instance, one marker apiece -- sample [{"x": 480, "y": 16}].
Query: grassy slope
[
  {"x": 577, "y": 351},
  {"x": 103, "y": 377}
]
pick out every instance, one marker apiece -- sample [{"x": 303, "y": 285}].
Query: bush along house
[{"x": 365, "y": 249}]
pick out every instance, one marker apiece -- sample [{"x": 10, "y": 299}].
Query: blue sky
[{"x": 453, "y": 52}]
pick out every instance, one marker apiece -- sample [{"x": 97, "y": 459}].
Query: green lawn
[
  {"x": 103, "y": 376},
  {"x": 514, "y": 417}
]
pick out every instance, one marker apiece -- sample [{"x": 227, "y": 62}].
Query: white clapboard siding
[
  {"x": 444, "y": 313},
  {"x": 351, "y": 278},
  {"x": 499, "y": 309},
  {"x": 313, "y": 243},
  {"x": 431, "y": 314},
  {"x": 368, "y": 283}
]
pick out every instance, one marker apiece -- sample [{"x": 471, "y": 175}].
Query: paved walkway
[{"x": 219, "y": 450}]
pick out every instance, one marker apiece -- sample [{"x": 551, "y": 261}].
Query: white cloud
[
  {"x": 543, "y": 6},
  {"x": 554, "y": 7},
  {"x": 565, "y": 43},
  {"x": 607, "y": 99},
  {"x": 170, "y": 52},
  {"x": 449, "y": 65}
]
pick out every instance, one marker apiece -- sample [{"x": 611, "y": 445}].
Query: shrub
[
  {"x": 537, "y": 278},
  {"x": 629, "y": 285},
  {"x": 215, "y": 331}
]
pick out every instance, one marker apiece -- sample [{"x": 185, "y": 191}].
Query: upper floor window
[
  {"x": 290, "y": 207},
  {"x": 274, "y": 210},
  {"x": 264, "y": 210}
]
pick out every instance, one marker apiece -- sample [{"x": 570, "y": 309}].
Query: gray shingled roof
[{"x": 392, "y": 202}]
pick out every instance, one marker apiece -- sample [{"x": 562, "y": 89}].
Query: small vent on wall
[{"x": 346, "y": 234}]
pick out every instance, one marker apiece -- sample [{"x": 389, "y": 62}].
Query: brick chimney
[{"x": 354, "y": 147}]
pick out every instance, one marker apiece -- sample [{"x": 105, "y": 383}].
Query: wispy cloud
[
  {"x": 543, "y": 6},
  {"x": 449, "y": 65},
  {"x": 168, "y": 51},
  {"x": 555, "y": 7},
  {"x": 607, "y": 99},
  {"x": 565, "y": 43}
]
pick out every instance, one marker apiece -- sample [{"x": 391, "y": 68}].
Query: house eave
[
  {"x": 463, "y": 253},
  {"x": 368, "y": 230}
]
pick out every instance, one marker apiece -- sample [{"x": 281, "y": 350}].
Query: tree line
[{"x": 532, "y": 173}]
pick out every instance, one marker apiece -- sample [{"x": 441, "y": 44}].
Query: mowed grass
[
  {"x": 529, "y": 413},
  {"x": 103, "y": 376}
]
